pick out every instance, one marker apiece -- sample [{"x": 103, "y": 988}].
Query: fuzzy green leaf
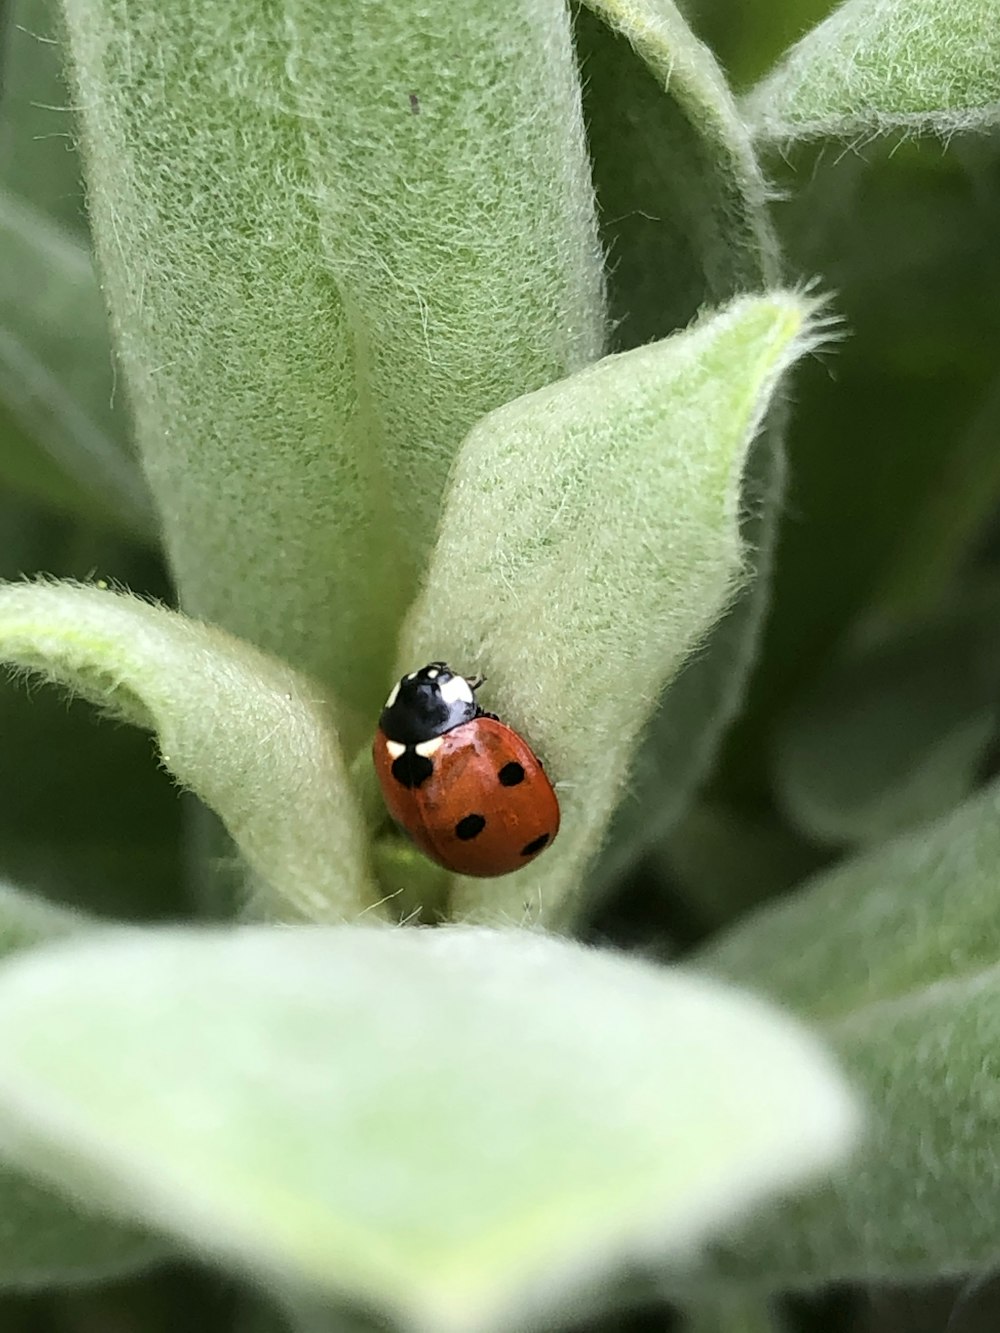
[
  {"x": 683, "y": 199},
  {"x": 684, "y": 221},
  {"x": 457, "y": 217},
  {"x": 589, "y": 541},
  {"x": 329, "y": 247},
  {"x": 57, "y": 376},
  {"x": 875, "y": 66},
  {"x": 254, "y": 740},
  {"x": 46, "y": 1241},
  {"x": 920, "y": 1198},
  {"x": 894, "y": 732},
  {"x": 898, "y": 951},
  {"x": 918, "y": 911},
  {"x": 315, "y": 1103}
]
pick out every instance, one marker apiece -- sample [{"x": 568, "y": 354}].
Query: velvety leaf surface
[
  {"x": 297, "y": 1103},
  {"x": 898, "y": 952},
  {"x": 590, "y": 539},
  {"x": 44, "y": 1240},
  {"x": 320, "y": 276},
  {"x": 248, "y": 735},
  {"x": 879, "y": 65}
]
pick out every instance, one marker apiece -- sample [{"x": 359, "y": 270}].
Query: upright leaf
[
  {"x": 589, "y": 541},
  {"x": 456, "y": 1126},
  {"x": 320, "y": 276},
  {"x": 455, "y": 207}
]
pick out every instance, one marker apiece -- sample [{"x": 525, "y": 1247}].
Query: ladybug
[{"x": 464, "y": 786}]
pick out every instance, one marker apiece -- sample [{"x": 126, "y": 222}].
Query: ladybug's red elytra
[{"x": 465, "y": 787}]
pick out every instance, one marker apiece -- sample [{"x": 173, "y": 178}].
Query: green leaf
[
  {"x": 319, "y": 287},
  {"x": 589, "y": 541},
  {"x": 898, "y": 950},
  {"x": 298, "y": 1101},
  {"x": 457, "y": 216},
  {"x": 241, "y": 730},
  {"x": 683, "y": 199},
  {"x": 876, "y": 66},
  {"x": 57, "y": 375},
  {"x": 894, "y": 732},
  {"x": 919, "y": 1200},
  {"x": 918, "y": 911},
  {"x": 47, "y": 1241},
  {"x": 684, "y": 222}
]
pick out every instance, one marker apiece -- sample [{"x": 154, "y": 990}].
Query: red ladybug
[{"x": 465, "y": 787}]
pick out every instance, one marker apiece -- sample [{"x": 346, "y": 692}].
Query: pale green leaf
[
  {"x": 456, "y": 1125},
  {"x": 684, "y": 222},
  {"x": 919, "y": 910},
  {"x": 244, "y": 732},
  {"x": 875, "y": 66},
  {"x": 898, "y": 951},
  {"x": 895, "y": 730},
  {"x": 590, "y": 539},
  {"x": 919, "y": 1200},
  {"x": 455, "y": 205},
  {"x": 47, "y": 1241},
  {"x": 328, "y": 248},
  {"x": 57, "y": 375}
]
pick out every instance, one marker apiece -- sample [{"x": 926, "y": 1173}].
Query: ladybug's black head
[{"x": 427, "y": 703}]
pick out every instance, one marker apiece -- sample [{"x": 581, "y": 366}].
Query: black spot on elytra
[
  {"x": 411, "y": 769},
  {"x": 511, "y": 774},
  {"x": 469, "y": 827},
  {"x": 536, "y": 845}
]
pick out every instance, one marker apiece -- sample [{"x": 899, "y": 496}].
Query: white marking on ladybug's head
[
  {"x": 393, "y": 695},
  {"x": 394, "y": 748},
  {"x": 411, "y": 676},
  {"x": 428, "y": 748},
  {"x": 432, "y": 673},
  {"x": 456, "y": 690}
]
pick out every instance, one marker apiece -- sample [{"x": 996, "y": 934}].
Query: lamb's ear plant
[{"x": 406, "y": 332}]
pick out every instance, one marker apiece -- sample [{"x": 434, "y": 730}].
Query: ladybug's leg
[
  {"x": 474, "y": 682},
  {"x": 481, "y": 712}
]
